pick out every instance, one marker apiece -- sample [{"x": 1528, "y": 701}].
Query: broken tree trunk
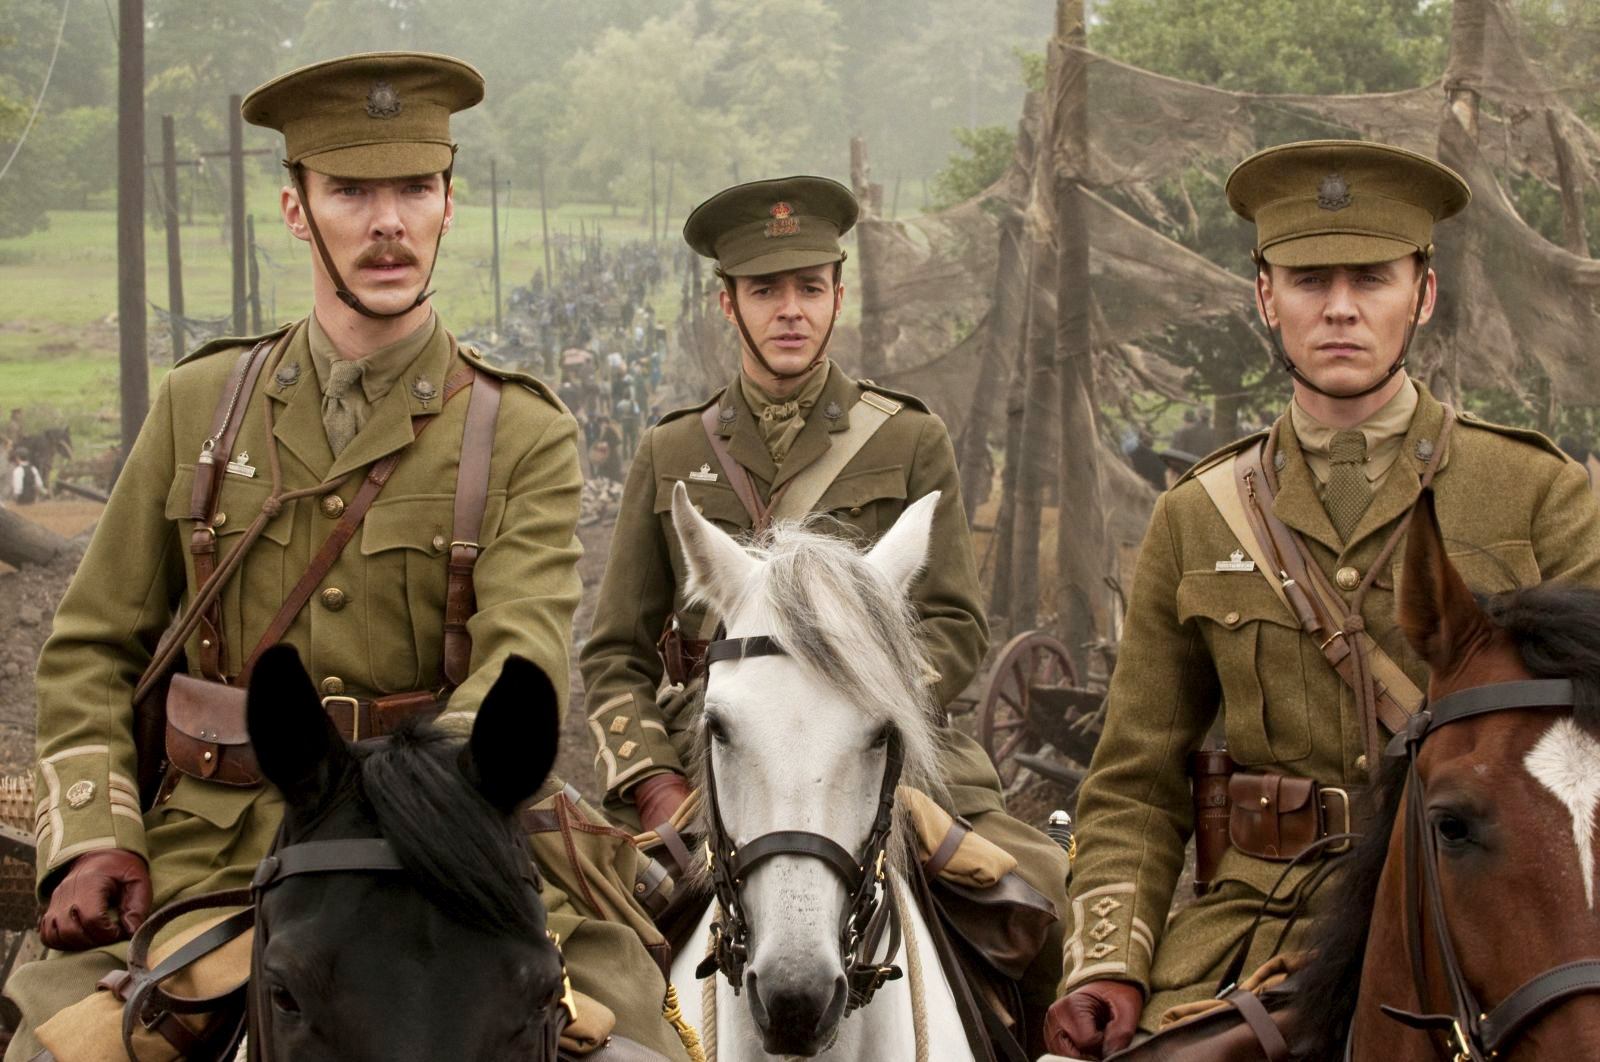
[{"x": 24, "y": 542}]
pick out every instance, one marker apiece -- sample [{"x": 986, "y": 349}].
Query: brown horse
[{"x": 1501, "y": 802}]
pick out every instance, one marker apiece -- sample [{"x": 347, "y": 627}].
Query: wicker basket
[{"x": 19, "y": 905}]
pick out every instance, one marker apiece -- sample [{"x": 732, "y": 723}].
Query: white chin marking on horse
[{"x": 1566, "y": 761}]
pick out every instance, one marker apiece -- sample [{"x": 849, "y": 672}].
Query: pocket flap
[
  {"x": 1282, "y": 794},
  {"x": 208, "y": 711},
  {"x": 714, "y": 501},
  {"x": 239, "y": 502},
  {"x": 417, "y": 522},
  {"x": 854, "y": 489},
  {"x": 1231, "y": 599},
  {"x": 220, "y": 805}
]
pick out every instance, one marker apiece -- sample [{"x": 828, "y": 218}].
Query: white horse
[{"x": 800, "y": 741}]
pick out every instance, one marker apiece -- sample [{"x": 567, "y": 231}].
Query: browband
[{"x": 739, "y": 648}]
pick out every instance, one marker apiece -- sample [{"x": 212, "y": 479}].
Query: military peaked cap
[
  {"x": 1343, "y": 202},
  {"x": 373, "y": 115},
  {"x": 765, "y": 227}
]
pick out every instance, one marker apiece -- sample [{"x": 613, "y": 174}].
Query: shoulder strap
[
  {"x": 472, "y": 498},
  {"x": 225, "y": 424},
  {"x": 377, "y": 476},
  {"x": 803, "y": 491}
]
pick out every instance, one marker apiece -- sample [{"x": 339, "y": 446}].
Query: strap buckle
[
  {"x": 355, "y": 712},
  {"x": 1344, "y": 816}
]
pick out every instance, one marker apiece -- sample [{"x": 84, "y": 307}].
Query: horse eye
[
  {"x": 1453, "y": 830},
  {"x": 718, "y": 732},
  {"x": 881, "y": 738},
  {"x": 284, "y": 1000}
]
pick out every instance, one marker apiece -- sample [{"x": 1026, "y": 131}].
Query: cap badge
[
  {"x": 783, "y": 222},
  {"x": 383, "y": 101},
  {"x": 1333, "y": 193}
]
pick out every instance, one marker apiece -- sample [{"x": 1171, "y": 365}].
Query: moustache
[{"x": 395, "y": 253}]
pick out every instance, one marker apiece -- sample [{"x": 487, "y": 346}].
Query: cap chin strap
[
  {"x": 750, "y": 343},
  {"x": 342, "y": 289},
  {"x": 1288, "y": 366}
]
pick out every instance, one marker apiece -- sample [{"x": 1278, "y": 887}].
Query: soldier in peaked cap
[
  {"x": 1344, "y": 248},
  {"x": 790, "y": 434},
  {"x": 322, "y": 401}
]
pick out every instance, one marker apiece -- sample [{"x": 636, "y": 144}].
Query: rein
[
  {"x": 873, "y": 908},
  {"x": 1477, "y": 1033}
]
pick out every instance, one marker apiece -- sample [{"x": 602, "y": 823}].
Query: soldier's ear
[
  {"x": 514, "y": 736},
  {"x": 719, "y": 568},
  {"x": 295, "y": 742},
  {"x": 902, "y": 551}
]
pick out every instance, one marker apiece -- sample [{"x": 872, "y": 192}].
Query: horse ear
[
  {"x": 719, "y": 568},
  {"x": 299, "y": 749},
  {"x": 514, "y": 737},
  {"x": 1437, "y": 611},
  {"x": 903, "y": 550}
]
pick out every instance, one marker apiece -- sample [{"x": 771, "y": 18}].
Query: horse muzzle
[{"x": 797, "y": 1018}]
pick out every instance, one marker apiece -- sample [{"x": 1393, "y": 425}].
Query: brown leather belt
[
  {"x": 358, "y": 719},
  {"x": 1277, "y": 817}
]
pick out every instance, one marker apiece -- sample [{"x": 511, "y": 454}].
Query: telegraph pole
[
  {"x": 133, "y": 361},
  {"x": 494, "y": 223},
  {"x": 169, "y": 196},
  {"x": 544, "y": 223},
  {"x": 236, "y": 210}
]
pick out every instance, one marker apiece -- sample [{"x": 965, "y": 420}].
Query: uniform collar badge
[
  {"x": 1424, "y": 449},
  {"x": 383, "y": 101},
  {"x": 240, "y": 466},
  {"x": 423, "y": 390},
  {"x": 727, "y": 415},
  {"x": 832, "y": 411},
  {"x": 783, "y": 222},
  {"x": 1333, "y": 193},
  {"x": 287, "y": 375},
  {"x": 703, "y": 474},
  {"x": 1236, "y": 562}
]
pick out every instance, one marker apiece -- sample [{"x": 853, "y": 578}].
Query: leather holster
[
  {"x": 1209, "y": 771},
  {"x": 681, "y": 657}
]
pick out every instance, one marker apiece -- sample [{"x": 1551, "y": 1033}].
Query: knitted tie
[
  {"x": 1349, "y": 493},
  {"x": 338, "y": 409}
]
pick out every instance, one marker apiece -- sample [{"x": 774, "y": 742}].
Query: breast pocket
[
  {"x": 867, "y": 502},
  {"x": 404, "y": 557},
  {"x": 261, "y": 576},
  {"x": 715, "y": 501},
  {"x": 1263, "y": 661}
]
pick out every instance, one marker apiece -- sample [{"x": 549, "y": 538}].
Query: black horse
[{"x": 444, "y": 957}]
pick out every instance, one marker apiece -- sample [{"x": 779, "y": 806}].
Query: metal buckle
[
  {"x": 1463, "y": 1048},
  {"x": 1331, "y": 638},
  {"x": 1344, "y": 810},
  {"x": 355, "y": 712}
]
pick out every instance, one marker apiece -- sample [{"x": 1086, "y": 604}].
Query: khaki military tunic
[
  {"x": 382, "y": 634},
  {"x": 1200, "y": 642},
  {"x": 907, "y": 458}
]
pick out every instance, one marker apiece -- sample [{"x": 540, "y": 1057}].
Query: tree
[{"x": 986, "y": 152}]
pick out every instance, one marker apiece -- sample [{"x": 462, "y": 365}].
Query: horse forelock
[
  {"x": 462, "y": 854},
  {"x": 1556, "y": 628}
]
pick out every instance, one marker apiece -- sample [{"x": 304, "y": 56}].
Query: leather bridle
[
  {"x": 1476, "y": 1033},
  {"x": 871, "y": 911}
]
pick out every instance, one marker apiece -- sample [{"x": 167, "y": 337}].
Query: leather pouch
[
  {"x": 1006, "y": 923},
  {"x": 207, "y": 737},
  {"x": 1274, "y": 816}
]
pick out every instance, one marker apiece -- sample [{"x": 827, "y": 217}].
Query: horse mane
[
  {"x": 461, "y": 853},
  {"x": 840, "y": 617},
  {"x": 1556, "y": 628}
]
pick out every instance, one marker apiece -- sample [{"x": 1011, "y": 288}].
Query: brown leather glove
[
  {"x": 1094, "y": 1020},
  {"x": 104, "y": 897},
  {"x": 658, "y": 796}
]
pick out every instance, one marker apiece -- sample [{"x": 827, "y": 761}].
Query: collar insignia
[
  {"x": 382, "y": 101},
  {"x": 727, "y": 415},
  {"x": 783, "y": 222},
  {"x": 703, "y": 474},
  {"x": 833, "y": 412},
  {"x": 1236, "y": 562},
  {"x": 423, "y": 390},
  {"x": 1333, "y": 193},
  {"x": 288, "y": 375}
]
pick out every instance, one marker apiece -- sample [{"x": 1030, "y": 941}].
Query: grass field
[{"x": 58, "y": 293}]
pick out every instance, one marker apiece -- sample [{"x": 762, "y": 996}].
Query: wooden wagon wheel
[{"x": 1031, "y": 661}]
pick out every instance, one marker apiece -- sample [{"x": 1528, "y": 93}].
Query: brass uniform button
[
  {"x": 333, "y": 599},
  {"x": 439, "y": 542},
  {"x": 855, "y": 510},
  {"x": 221, "y": 518},
  {"x": 1231, "y": 618},
  {"x": 1347, "y": 578},
  {"x": 1361, "y": 762},
  {"x": 332, "y": 506},
  {"x": 332, "y": 686}
]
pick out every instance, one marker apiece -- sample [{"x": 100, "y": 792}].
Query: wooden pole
[
  {"x": 1574, "y": 234},
  {"x": 544, "y": 223},
  {"x": 874, "y": 341},
  {"x": 236, "y": 210},
  {"x": 253, "y": 273},
  {"x": 169, "y": 195},
  {"x": 652, "y": 195},
  {"x": 133, "y": 360},
  {"x": 1081, "y": 561},
  {"x": 494, "y": 223}
]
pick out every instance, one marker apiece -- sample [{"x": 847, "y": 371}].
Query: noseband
[
  {"x": 1476, "y": 1034},
  {"x": 872, "y": 908},
  {"x": 359, "y": 855}
]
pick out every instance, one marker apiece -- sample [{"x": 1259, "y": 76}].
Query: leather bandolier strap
[{"x": 472, "y": 497}]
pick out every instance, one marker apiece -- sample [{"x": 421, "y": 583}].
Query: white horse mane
[{"x": 845, "y": 620}]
